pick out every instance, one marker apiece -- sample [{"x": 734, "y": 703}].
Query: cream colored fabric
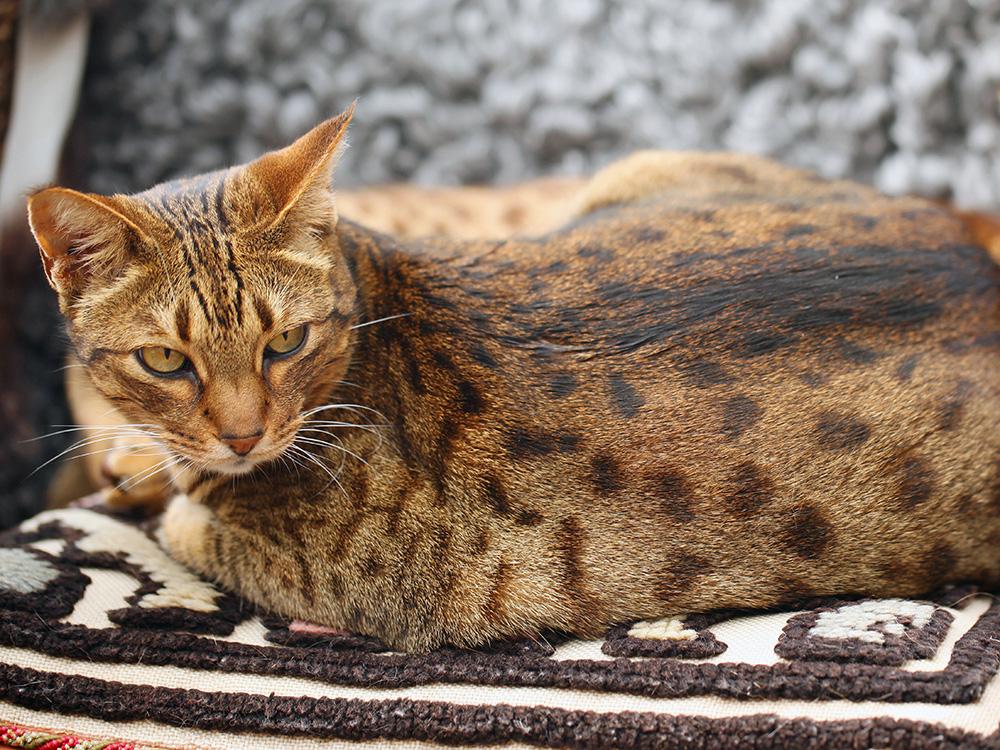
[{"x": 750, "y": 640}]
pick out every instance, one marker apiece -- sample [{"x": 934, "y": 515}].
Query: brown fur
[{"x": 730, "y": 388}]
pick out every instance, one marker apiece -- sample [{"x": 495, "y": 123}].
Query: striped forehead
[{"x": 218, "y": 283}]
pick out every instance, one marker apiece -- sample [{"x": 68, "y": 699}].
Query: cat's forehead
[{"x": 192, "y": 205}]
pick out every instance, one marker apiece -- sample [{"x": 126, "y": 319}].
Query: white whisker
[{"x": 380, "y": 320}]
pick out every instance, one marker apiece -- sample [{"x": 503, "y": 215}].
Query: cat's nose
[{"x": 241, "y": 445}]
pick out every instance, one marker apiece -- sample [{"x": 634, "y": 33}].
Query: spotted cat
[{"x": 723, "y": 383}]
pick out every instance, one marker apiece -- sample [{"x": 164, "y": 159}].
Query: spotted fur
[{"x": 724, "y": 383}]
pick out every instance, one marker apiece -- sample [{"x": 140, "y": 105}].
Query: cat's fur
[{"x": 726, "y": 384}]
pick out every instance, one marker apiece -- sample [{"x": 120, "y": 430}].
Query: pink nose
[{"x": 241, "y": 445}]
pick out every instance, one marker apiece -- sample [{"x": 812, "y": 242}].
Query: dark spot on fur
[
  {"x": 558, "y": 266},
  {"x": 648, "y": 234},
  {"x": 481, "y": 354},
  {"x": 496, "y": 602},
  {"x": 758, "y": 343},
  {"x": 600, "y": 252},
  {"x": 750, "y": 490},
  {"x": 704, "y": 372},
  {"x": 865, "y": 222},
  {"x": 443, "y": 361},
  {"x": 807, "y": 532},
  {"x": 481, "y": 540},
  {"x": 528, "y": 518},
  {"x": 798, "y": 230},
  {"x": 562, "y": 384},
  {"x": 625, "y": 396},
  {"x": 496, "y": 495},
  {"x": 857, "y": 354},
  {"x": 905, "y": 370},
  {"x": 526, "y": 443},
  {"x": 470, "y": 399},
  {"x": 569, "y": 544},
  {"x": 680, "y": 575},
  {"x": 672, "y": 494},
  {"x": 951, "y": 411},
  {"x": 916, "y": 483},
  {"x": 705, "y": 215},
  {"x": 739, "y": 414},
  {"x": 960, "y": 346},
  {"x": 373, "y": 566},
  {"x": 836, "y": 432},
  {"x": 812, "y": 378},
  {"x": 606, "y": 474}
]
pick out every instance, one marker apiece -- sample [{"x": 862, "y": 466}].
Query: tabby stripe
[
  {"x": 263, "y": 312},
  {"x": 220, "y": 208},
  {"x": 236, "y": 276},
  {"x": 182, "y": 320}
]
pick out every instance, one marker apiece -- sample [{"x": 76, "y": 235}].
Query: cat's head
[{"x": 218, "y": 308}]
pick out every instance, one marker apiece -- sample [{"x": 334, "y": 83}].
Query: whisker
[
  {"x": 148, "y": 473},
  {"x": 349, "y": 407},
  {"x": 132, "y": 429},
  {"x": 323, "y": 443},
  {"x": 313, "y": 459},
  {"x": 82, "y": 444},
  {"x": 380, "y": 320}
]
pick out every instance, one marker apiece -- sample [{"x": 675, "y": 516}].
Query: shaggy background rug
[{"x": 902, "y": 93}]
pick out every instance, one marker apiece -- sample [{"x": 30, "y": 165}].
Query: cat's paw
[
  {"x": 136, "y": 478},
  {"x": 185, "y": 530}
]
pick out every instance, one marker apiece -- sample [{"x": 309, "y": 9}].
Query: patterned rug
[{"x": 107, "y": 643}]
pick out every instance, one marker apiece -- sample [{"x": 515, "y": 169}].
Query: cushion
[{"x": 105, "y": 639}]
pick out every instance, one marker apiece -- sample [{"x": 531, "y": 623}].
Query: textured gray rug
[{"x": 902, "y": 93}]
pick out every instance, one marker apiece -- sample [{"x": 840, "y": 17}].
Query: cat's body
[{"x": 726, "y": 384}]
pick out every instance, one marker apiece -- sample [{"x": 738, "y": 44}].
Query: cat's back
[
  {"x": 749, "y": 374},
  {"x": 681, "y": 258}
]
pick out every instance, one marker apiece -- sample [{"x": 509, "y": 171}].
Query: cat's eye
[
  {"x": 286, "y": 342},
  {"x": 162, "y": 361}
]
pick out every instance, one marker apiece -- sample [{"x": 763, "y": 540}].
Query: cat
[{"x": 722, "y": 383}]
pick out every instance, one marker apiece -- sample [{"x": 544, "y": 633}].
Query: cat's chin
[{"x": 236, "y": 466}]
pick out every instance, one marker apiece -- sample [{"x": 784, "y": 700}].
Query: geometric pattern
[{"x": 103, "y": 635}]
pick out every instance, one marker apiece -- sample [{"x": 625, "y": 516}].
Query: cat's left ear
[
  {"x": 81, "y": 236},
  {"x": 297, "y": 178}
]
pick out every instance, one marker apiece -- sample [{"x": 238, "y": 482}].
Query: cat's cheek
[{"x": 185, "y": 531}]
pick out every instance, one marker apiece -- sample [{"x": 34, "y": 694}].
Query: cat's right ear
[{"x": 81, "y": 237}]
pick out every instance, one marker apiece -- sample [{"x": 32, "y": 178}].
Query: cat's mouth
[
  {"x": 237, "y": 465},
  {"x": 221, "y": 460}
]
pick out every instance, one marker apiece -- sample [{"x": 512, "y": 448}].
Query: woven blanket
[{"x": 105, "y": 642}]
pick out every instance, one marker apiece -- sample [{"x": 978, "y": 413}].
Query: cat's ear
[
  {"x": 81, "y": 236},
  {"x": 296, "y": 179}
]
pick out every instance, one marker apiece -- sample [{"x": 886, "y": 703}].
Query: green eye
[
  {"x": 286, "y": 342},
  {"x": 162, "y": 361}
]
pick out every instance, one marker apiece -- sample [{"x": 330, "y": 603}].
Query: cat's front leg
[{"x": 186, "y": 532}]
